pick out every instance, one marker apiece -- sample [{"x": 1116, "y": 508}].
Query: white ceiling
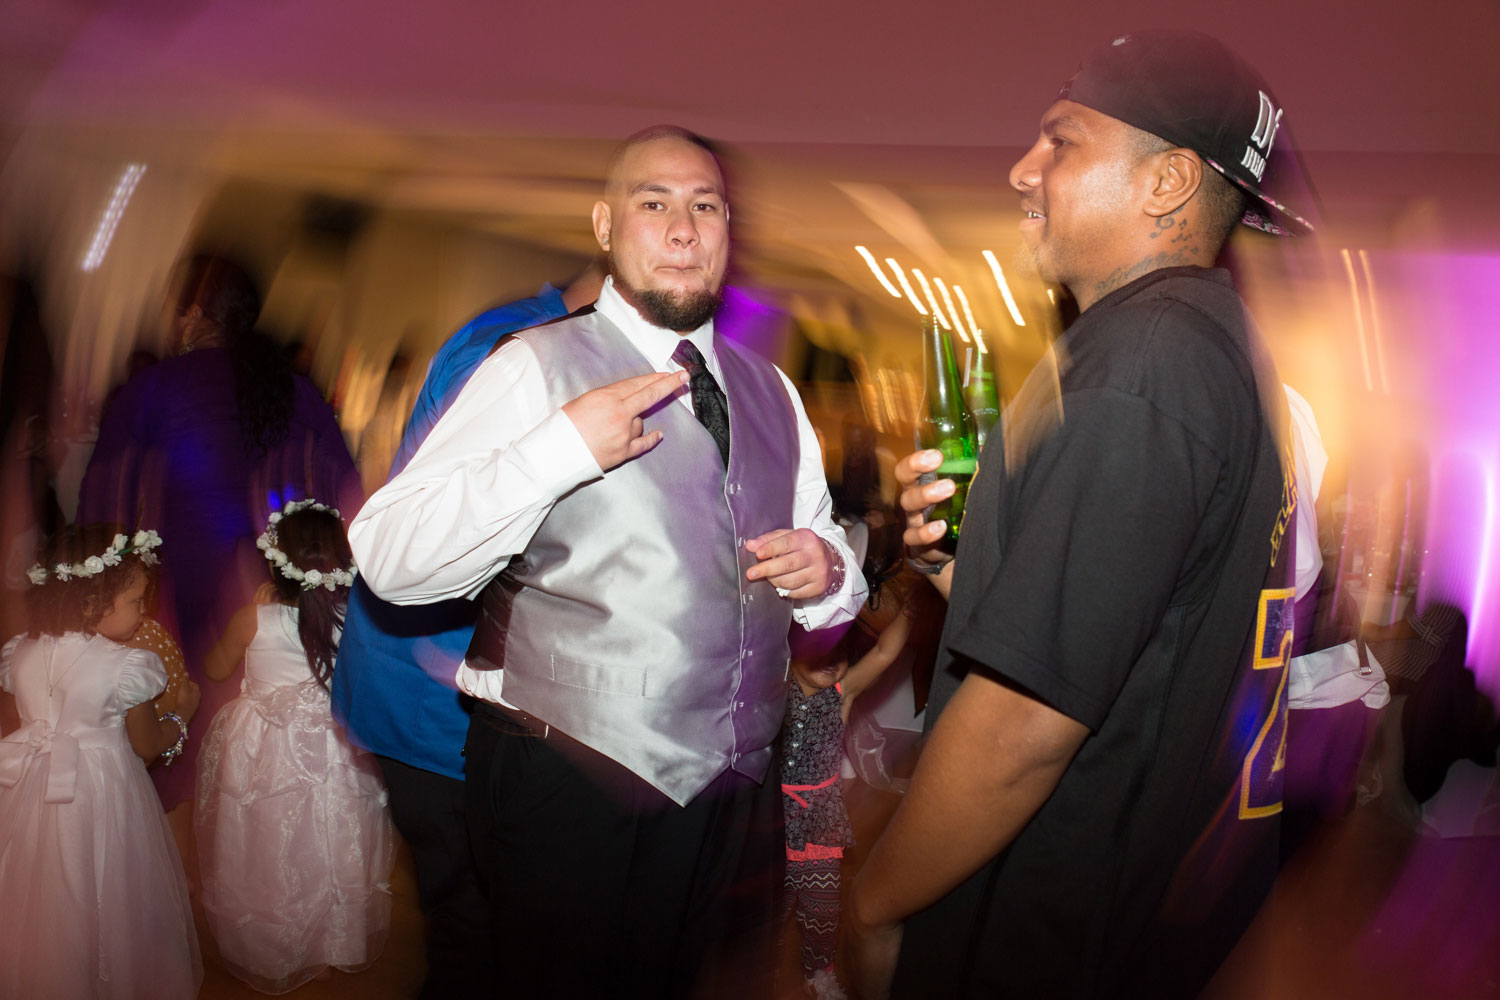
[{"x": 889, "y": 124}]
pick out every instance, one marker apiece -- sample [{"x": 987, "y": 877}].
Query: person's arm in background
[
  {"x": 868, "y": 668},
  {"x": 238, "y": 634}
]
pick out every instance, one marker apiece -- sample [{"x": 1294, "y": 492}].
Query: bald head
[{"x": 646, "y": 136}]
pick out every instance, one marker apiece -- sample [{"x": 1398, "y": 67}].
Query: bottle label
[{"x": 957, "y": 466}]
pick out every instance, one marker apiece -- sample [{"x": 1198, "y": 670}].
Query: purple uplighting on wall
[{"x": 1449, "y": 368}]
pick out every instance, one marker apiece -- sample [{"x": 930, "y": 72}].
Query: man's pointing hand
[{"x": 609, "y": 417}]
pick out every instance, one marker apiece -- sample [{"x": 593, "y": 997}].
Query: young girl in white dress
[
  {"x": 294, "y": 838},
  {"x": 93, "y": 899}
]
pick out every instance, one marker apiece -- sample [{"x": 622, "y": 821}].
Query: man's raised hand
[{"x": 609, "y": 418}]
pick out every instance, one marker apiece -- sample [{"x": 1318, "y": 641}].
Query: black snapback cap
[{"x": 1195, "y": 92}]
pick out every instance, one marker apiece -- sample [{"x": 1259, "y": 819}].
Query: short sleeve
[
  {"x": 152, "y": 635},
  {"x": 7, "y": 655},
  {"x": 1102, "y": 522},
  {"x": 142, "y": 677}
]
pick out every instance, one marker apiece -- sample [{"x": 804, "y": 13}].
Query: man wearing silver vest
[{"x": 640, "y": 507}]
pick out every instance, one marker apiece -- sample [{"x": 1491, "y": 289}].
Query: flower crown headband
[
  {"x": 310, "y": 579},
  {"x": 140, "y": 545}
]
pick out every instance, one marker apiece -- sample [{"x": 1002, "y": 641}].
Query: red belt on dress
[{"x": 792, "y": 790}]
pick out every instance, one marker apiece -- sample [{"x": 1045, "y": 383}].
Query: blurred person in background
[
  {"x": 1336, "y": 688},
  {"x": 1095, "y": 809},
  {"x": 640, "y": 559},
  {"x": 29, "y": 510},
  {"x": 395, "y": 689},
  {"x": 206, "y": 444},
  {"x": 1417, "y": 625},
  {"x": 382, "y": 432}
]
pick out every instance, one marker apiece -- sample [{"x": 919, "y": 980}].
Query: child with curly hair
[{"x": 95, "y": 898}]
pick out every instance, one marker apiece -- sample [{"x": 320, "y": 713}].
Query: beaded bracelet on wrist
[
  {"x": 175, "y": 750},
  {"x": 837, "y": 568}
]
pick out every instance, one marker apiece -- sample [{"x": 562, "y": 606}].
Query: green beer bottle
[
  {"x": 944, "y": 423},
  {"x": 980, "y": 391}
]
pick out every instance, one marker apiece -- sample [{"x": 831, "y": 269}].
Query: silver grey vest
[{"x": 627, "y": 623}]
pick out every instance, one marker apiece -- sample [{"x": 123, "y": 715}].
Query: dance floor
[{"x": 1373, "y": 910}]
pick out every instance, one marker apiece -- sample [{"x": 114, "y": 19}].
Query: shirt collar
[{"x": 655, "y": 342}]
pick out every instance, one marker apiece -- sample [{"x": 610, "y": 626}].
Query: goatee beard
[{"x": 680, "y": 312}]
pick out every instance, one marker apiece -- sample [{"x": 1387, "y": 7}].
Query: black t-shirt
[{"x": 1121, "y": 564}]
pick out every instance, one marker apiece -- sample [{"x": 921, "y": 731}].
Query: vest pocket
[{"x": 613, "y": 679}]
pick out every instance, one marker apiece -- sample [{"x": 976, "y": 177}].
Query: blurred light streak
[
  {"x": 979, "y": 342},
  {"x": 931, "y": 301},
  {"x": 1448, "y": 368},
  {"x": 952, "y": 312},
  {"x": 1051, "y": 296},
  {"x": 1010, "y": 302},
  {"x": 1364, "y": 263},
  {"x": 879, "y": 274},
  {"x": 110, "y": 219},
  {"x": 906, "y": 285},
  {"x": 885, "y": 394},
  {"x": 1479, "y": 609},
  {"x": 1359, "y": 316},
  {"x": 968, "y": 313}
]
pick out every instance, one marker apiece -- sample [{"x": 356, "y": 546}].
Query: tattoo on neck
[
  {"x": 1122, "y": 276},
  {"x": 1171, "y": 224}
]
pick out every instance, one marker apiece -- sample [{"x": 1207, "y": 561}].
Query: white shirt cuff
[{"x": 557, "y": 455}]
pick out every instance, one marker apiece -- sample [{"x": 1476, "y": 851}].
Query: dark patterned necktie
[{"x": 709, "y": 404}]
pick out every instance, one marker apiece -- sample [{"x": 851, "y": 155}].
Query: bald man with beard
[{"x": 639, "y": 506}]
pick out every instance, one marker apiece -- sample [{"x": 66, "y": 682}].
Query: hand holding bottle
[
  {"x": 944, "y": 428},
  {"x": 925, "y": 540}
]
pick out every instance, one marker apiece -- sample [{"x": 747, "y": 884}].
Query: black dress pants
[
  {"x": 600, "y": 886},
  {"x": 428, "y": 810}
]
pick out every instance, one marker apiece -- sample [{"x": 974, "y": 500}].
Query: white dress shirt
[{"x": 483, "y": 481}]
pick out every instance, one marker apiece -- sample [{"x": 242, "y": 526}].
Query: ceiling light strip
[
  {"x": 1010, "y": 301},
  {"x": 879, "y": 274}
]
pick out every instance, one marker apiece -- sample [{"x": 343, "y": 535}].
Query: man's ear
[
  {"x": 1177, "y": 176},
  {"x": 601, "y": 224}
]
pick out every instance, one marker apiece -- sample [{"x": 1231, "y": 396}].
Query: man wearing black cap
[{"x": 1095, "y": 812}]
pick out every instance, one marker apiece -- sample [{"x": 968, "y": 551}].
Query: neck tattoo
[{"x": 1122, "y": 276}]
